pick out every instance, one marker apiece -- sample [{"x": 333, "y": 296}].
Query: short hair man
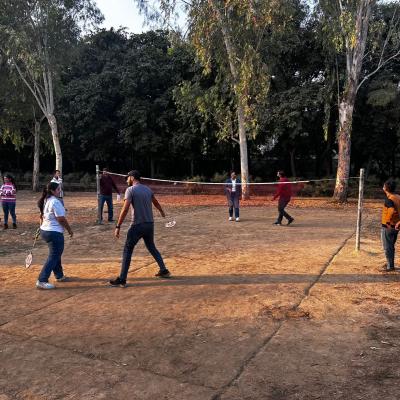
[
  {"x": 233, "y": 190},
  {"x": 390, "y": 222},
  {"x": 140, "y": 198},
  {"x": 106, "y": 188},
  {"x": 284, "y": 192}
]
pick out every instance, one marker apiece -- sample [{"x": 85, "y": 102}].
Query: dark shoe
[
  {"x": 386, "y": 269},
  {"x": 118, "y": 282},
  {"x": 5, "y": 226},
  {"x": 63, "y": 279},
  {"x": 277, "y": 223},
  {"x": 111, "y": 220},
  {"x": 163, "y": 274},
  {"x": 290, "y": 221},
  {"x": 14, "y": 226}
]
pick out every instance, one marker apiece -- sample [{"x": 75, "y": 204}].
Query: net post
[
  {"x": 98, "y": 193},
  {"x": 359, "y": 209}
]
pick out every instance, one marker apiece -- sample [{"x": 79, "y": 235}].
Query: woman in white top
[{"x": 53, "y": 223}]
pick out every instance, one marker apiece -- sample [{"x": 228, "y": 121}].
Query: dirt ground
[{"x": 253, "y": 311}]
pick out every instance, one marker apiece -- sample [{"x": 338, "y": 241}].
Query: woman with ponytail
[{"x": 53, "y": 223}]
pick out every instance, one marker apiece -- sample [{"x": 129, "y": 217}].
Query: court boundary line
[{"x": 268, "y": 339}]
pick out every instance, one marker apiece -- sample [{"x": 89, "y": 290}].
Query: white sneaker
[
  {"x": 230, "y": 218},
  {"x": 237, "y": 219},
  {"x": 44, "y": 285}
]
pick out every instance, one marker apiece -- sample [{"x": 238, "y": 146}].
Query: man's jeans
[
  {"x": 389, "y": 237},
  {"x": 233, "y": 202},
  {"x": 281, "y": 208},
  {"x": 135, "y": 233},
  {"x": 9, "y": 207},
  {"x": 55, "y": 241},
  {"x": 106, "y": 199}
]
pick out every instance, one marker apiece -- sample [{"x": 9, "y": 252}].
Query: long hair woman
[{"x": 53, "y": 223}]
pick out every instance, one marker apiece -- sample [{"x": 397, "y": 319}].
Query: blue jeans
[
  {"x": 55, "y": 241},
  {"x": 9, "y": 207},
  {"x": 389, "y": 237},
  {"x": 106, "y": 199},
  {"x": 135, "y": 233}
]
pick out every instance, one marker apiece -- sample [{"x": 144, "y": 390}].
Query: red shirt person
[
  {"x": 106, "y": 188},
  {"x": 284, "y": 193}
]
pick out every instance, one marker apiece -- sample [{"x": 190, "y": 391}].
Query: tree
[
  {"x": 19, "y": 119},
  {"x": 229, "y": 34},
  {"x": 36, "y": 37},
  {"x": 347, "y": 22}
]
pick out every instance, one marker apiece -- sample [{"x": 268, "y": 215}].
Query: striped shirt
[{"x": 7, "y": 193}]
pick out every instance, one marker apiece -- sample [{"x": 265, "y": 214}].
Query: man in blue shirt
[{"x": 141, "y": 198}]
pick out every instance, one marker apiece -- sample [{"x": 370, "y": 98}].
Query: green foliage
[{"x": 219, "y": 177}]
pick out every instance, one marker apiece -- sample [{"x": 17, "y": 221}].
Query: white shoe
[
  {"x": 237, "y": 219},
  {"x": 230, "y": 218},
  {"x": 44, "y": 285}
]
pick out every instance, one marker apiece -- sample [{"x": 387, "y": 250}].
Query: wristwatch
[{"x": 117, "y": 226}]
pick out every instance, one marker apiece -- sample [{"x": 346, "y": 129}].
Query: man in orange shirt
[{"x": 390, "y": 223}]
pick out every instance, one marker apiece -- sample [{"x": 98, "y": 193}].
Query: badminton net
[{"x": 183, "y": 188}]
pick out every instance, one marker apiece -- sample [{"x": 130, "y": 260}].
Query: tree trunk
[
  {"x": 241, "y": 115},
  {"x": 56, "y": 140},
  {"x": 152, "y": 169},
  {"x": 191, "y": 167},
  {"x": 36, "y": 157},
  {"x": 344, "y": 143},
  {"x": 354, "y": 59},
  {"x": 244, "y": 161},
  {"x": 292, "y": 162}
]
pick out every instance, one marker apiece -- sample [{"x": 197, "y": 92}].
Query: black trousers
[{"x": 281, "y": 209}]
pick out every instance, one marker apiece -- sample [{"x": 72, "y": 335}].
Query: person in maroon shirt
[
  {"x": 284, "y": 192},
  {"x": 106, "y": 188}
]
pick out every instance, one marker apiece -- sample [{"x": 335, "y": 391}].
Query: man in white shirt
[
  {"x": 233, "y": 188},
  {"x": 57, "y": 179}
]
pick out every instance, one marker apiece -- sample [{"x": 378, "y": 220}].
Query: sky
[{"x": 121, "y": 13}]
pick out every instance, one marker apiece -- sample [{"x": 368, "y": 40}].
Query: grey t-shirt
[{"x": 140, "y": 197}]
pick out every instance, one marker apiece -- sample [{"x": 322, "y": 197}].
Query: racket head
[
  {"x": 170, "y": 224},
  {"x": 28, "y": 259}
]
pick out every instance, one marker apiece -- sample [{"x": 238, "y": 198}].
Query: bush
[
  {"x": 219, "y": 177},
  {"x": 87, "y": 179},
  {"x": 72, "y": 177},
  {"x": 196, "y": 178}
]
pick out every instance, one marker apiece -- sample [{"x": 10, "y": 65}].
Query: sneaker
[
  {"x": 62, "y": 279},
  {"x": 118, "y": 282},
  {"x": 163, "y": 274},
  {"x": 385, "y": 268},
  {"x": 44, "y": 285},
  {"x": 237, "y": 219},
  {"x": 230, "y": 218},
  {"x": 14, "y": 226},
  {"x": 277, "y": 223},
  {"x": 290, "y": 221},
  {"x": 5, "y": 226}
]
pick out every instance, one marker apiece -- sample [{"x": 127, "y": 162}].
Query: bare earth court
[{"x": 253, "y": 311}]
